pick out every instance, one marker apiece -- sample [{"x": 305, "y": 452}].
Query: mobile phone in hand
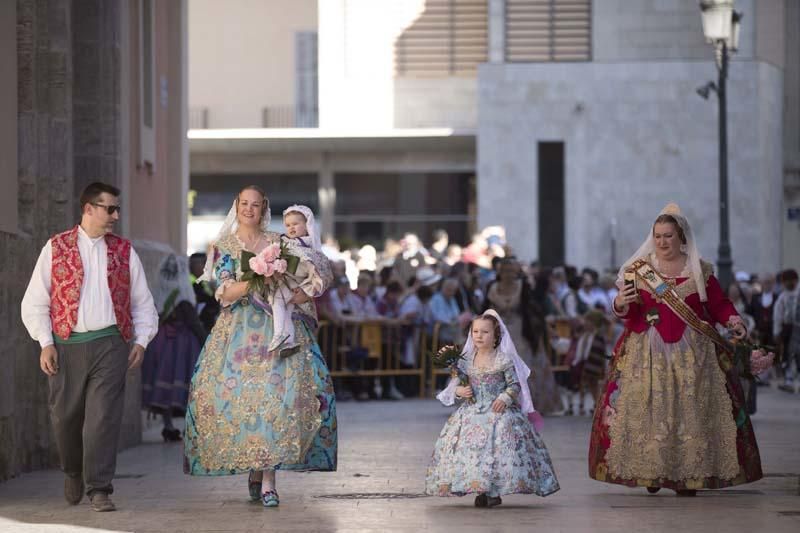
[{"x": 629, "y": 279}]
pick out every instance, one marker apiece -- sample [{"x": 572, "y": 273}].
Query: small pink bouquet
[
  {"x": 760, "y": 361},
  {"x": 752, "y": 359},
  {"x": 261, "y": 267}
]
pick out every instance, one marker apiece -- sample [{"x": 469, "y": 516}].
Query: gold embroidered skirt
[{"x": 671, "y": 416}]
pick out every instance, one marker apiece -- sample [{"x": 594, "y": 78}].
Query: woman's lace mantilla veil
[
  {"x": 648, "y": 249},
  {"x": 229, "y": 227}
]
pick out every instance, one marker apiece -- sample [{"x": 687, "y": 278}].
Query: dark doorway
[{"x": 551, "y": 203}]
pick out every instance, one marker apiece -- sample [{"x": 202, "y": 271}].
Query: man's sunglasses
[{"x": 110, "y": 209}]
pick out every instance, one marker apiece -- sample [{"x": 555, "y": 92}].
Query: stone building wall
[
  {"x": 636, "y": 136},
  {"x": 68, "y": 133},
  {"x": 45, "y": 178}
]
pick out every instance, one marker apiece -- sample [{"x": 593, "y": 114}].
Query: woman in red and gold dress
[{"x": 671, "y": 413}]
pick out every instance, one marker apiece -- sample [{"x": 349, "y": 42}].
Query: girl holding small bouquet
[{"x": 489, "y": 446}]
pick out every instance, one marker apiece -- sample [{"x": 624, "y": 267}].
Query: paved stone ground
[{"x": 384, "y": 448}]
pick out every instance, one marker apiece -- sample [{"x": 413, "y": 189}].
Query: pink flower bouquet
[
  {"x": 760, "y": 361},
  {"x": 751, "y": 359},
  {"x": 261, "y": 267}
]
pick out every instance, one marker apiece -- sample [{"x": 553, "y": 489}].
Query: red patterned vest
[{"x": 67, "y": 279}]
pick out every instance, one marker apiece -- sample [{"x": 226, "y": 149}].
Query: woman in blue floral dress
[
  {"x": 251, "y": 410},
  {"x": 489, "y": 446}
]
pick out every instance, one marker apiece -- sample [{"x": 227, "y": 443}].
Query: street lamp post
[{"x": 721, "y": 28}]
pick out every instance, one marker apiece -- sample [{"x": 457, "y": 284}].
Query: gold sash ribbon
[{"x": 665, "y": 292}]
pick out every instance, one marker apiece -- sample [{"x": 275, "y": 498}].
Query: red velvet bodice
[{"x": 718, "y": 309}]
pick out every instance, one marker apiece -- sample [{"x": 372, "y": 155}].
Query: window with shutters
[
  {"x": 548, "y": 30},
  {"x": 306, "y": 107},
  {"x": 448, "y": 39}
]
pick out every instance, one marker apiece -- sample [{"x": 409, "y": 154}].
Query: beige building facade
[
  {"x": 584, "y": 117},
  {"x": 243, "y": 69},
  {"x": 377, "y": 165}
]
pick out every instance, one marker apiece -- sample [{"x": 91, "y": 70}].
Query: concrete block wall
[
  {"x": 647, "y": 30},
  {"x": 636, "y": 137},
  {"x": 447, "y": 102}
]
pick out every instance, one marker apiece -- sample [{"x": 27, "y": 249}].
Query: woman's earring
[{"x": 683, "y": 248}]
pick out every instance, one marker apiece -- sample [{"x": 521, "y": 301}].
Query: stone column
[
  {"x": 96, "y": 96},
  {"x": 497, "y": 31},
  {"x": 43, "y": 59}
]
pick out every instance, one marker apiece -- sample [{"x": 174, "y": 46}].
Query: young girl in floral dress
[{"x": 489, "y": 446}]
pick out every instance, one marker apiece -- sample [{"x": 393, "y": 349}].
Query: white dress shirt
[{"x": 95, "y": 309}]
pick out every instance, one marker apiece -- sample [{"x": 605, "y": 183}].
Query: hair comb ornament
[{"x": 671, "y": 209}]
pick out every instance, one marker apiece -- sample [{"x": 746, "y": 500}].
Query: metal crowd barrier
[{"x": 374, "y": 349}]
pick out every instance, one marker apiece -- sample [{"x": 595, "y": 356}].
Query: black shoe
[
  {"x": 171, "y": 434},
  {"x": 289, "y": 351},
  {"x": 653, "y": 490},
  {"x": 481, "y": 500},
  {"x": 494, "y": 501},
  {"x": 73, "y": 489}
]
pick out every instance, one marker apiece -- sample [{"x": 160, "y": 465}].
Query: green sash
[{"x": 86, "y": 336}]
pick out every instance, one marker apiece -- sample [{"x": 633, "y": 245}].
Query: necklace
[
  {"x": 667, "y": 269},
  {"x": 486, "y": 358},
  {"x": 250, "y": 242}
]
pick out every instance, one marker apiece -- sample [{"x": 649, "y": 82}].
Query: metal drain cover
[
  {"x": 373, "y": 496},
  {"x": 723, "y": 492}
]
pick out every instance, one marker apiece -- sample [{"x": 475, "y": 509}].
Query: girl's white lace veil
[{"x": 506, "y": 347}]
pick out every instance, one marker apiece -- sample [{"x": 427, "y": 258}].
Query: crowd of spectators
[{"x": 416, "y": 287}]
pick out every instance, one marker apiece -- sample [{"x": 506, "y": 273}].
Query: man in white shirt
[{"x": 87, "y": 300}]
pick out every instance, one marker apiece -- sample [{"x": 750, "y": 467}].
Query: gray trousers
[{"x": 86, "y": 401}]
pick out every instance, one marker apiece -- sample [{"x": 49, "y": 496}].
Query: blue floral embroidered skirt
[
  {"x": 249, "y": 410},
  {"x": 480, "y": 451}
]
